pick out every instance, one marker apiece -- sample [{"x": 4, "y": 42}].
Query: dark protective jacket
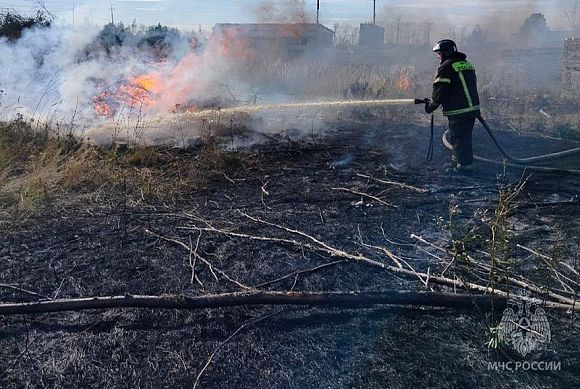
[{"x": 455, "y": 87}]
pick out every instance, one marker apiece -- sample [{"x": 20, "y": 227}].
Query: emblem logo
[{"x": 523, "y": 330}]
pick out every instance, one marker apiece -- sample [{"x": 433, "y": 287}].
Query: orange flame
[
  {"x": 136, "y": 92},
  {"x": 172, "y": 88},
  {"x": 148, "y": 82},
  {"x": 403, "y": 82},
  {"x": 405, "y": 79}
]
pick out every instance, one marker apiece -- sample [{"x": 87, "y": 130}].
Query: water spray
[
  {"x": 516, "y": 162},
  {"x": 282, "y": 106},
  {"x": 307, "y": 105}
]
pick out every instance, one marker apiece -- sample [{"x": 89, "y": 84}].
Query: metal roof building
[{"x": 285, "y": 40}]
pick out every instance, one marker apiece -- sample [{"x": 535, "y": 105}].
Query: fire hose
[{"x": 518, "y": 163}]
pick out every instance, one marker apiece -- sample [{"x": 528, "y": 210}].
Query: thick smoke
[
  {"x": 54, "y": 74},
  {"x": 288, "y": 11},
  {"x": 41, "y": 74}
]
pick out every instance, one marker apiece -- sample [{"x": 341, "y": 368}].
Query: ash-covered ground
[{"x": 110, "y": 244}]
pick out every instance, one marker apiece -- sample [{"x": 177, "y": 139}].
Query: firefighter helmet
[{"x": 446, "y": 47}]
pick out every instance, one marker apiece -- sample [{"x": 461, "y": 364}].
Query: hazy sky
[{"x": 191, "y": 13}]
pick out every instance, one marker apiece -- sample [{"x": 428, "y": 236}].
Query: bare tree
[
  {"x": 570, "y": 10},
  {"x": 345, "y": 35}
]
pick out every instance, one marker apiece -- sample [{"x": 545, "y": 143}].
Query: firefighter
[{"x": 455, "y": 88}]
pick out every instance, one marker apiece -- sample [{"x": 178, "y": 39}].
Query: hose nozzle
[{"x": 421, "y": 101}]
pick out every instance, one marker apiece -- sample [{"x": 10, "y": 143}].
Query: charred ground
[{"x": 113, "y": 240}]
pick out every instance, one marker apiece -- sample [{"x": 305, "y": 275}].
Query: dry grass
[
  {"x": 328, "y": 79},
  {"x": 39, "y": 168},
  {"x": 35, "y": 163}
]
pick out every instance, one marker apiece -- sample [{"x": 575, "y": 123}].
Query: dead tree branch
[
  {"x": 519, "y": 281},
  {"x": 344, "y": 299},
  {"x": 318, "y": 245}
]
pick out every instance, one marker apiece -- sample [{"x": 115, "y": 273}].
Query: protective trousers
[{"x": 460, "y": 136}]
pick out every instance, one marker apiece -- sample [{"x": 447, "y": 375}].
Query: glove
[{"x": 429, "y": 106}]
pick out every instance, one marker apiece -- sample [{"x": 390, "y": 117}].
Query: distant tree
[
  {"x": 345, "y": 35},
  {"x": 427, "y": 26},
  {"x": 534, "y": 31},
  {"x": 570, "y": 10},
  {"x": 477, "y": 37},
  {"x": 12, "y": 25},
  {"x": 134, "y": 27},
  {"x": 535, "y": 24},
  {"x": 113, "y": 35},
  {"x": 157, "y": 34},
  {"x": 160, "y": 40}
]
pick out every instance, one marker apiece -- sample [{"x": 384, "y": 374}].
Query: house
[
  {"x": 284, "y": 40},
  {"x": 371, "y": 35}
]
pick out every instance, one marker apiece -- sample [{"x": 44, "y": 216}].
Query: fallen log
[{"x": 336, "y": 299}]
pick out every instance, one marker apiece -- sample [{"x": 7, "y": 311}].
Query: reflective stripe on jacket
[{"x": 455, "y": 87}]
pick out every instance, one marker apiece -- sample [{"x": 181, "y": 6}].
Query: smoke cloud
[
  {"x": 287, "y": 11},
  {"x": 52, "y": 74}
]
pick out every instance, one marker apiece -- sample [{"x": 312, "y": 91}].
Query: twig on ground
[
  {"x": 22, "y": 290},
  {"x": 264, "y": 192},
  {"x": 229, "y": 179},
  {"x": 523, "y": 283},
  {"x": 546, "y": 260},
  {"x": 193, "y": 258},
  {"x": 396, "y": 260},
  {"x": 448, "y": 266},
  {"x": 392, "y": 242},
  {"x": 57, "y": 292},
  {"x": 567, "y": 266},
  {"x": 399, "y": 184},
  {"x": 318, "y": 245},
  {"x": 413, "y": 236},
  {"x": 421, "y": 249},
  {"x": 212, "y": 355},
  {"x": 294, "y": 283},
  {"x": 322, "y": 246},
  {"x": 356, "y": 192},
  {"x": 297, "y": 273},
  {"x": 208, "y": 263}
]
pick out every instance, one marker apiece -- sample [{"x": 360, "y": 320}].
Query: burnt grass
[{"x": 99, "y": 245}]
